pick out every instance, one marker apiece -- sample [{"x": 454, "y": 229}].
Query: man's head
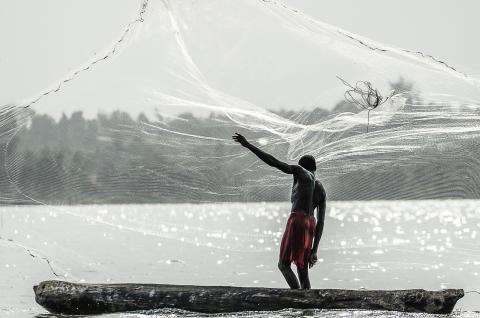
[{"x": 308, "y": 162}]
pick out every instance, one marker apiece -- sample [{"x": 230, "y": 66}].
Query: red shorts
[{"x": 297, "y": 239}]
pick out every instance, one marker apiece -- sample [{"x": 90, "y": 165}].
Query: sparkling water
[{"x": 370, "y": 245}]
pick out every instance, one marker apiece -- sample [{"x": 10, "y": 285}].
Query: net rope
[{"x": 418, "y": 142}]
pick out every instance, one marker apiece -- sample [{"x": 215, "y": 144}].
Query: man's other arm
[
  {"x": 320, "y": 223},
  {"x": 321, "y": 204}
]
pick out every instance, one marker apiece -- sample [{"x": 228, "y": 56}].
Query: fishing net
[
  {"x": 149, "y": 118},
  {"x": 182, "y": 77}
]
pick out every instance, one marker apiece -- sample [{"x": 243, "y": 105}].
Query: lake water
[{"x": 372, "y": 245}]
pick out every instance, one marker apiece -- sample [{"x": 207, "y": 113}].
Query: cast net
[
  {"x": 149, "y": 119},
  {"x": 183, "y": 77}
]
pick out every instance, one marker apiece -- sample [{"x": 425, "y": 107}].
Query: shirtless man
[{"x": 301, "y": 230}]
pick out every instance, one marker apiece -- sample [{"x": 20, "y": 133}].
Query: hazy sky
[
  {"x": 446, "y": 29},
  {"x": 42, "y": 40}
]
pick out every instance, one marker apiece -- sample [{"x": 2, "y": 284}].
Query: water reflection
[{"x": 372, "y": 245}]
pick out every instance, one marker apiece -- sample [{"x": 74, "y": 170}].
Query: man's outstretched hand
[
  {"x": 313, "y": 259},
  {"x": 240, "y": 139}
]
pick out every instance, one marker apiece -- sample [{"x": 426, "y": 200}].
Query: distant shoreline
[{"x": 235, "y": 202}]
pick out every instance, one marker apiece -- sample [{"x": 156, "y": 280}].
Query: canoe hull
[{"x": 69, "y": 298}]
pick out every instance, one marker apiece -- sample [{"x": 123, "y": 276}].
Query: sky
[
  {"x": 42, "y": 41},
  {"x": 444, "y": 28}
]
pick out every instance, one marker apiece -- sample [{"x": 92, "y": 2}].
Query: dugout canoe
[{"x": 62, "y": 297}]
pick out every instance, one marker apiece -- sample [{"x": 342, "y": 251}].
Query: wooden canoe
[{"x": 81, "y": 299}]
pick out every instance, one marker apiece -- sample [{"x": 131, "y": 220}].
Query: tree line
[{"x": 115, "y": 158}]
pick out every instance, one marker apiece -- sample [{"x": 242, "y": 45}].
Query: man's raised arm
[{"x": 265, "y": 157}]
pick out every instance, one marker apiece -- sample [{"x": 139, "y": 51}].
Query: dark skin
[{"x": 308, "y": 194}]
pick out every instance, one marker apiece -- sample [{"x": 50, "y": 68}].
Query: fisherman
[{"x": 308, "y": 194}]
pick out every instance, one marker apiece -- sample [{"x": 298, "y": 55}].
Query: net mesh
[
  {"x": 150, "y": 120},
  {"x": 182, "y": 77}
]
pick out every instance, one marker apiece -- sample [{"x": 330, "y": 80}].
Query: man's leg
[
  {"x": 286, "y": 269},
  {"x": 303, "y": 276}
]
